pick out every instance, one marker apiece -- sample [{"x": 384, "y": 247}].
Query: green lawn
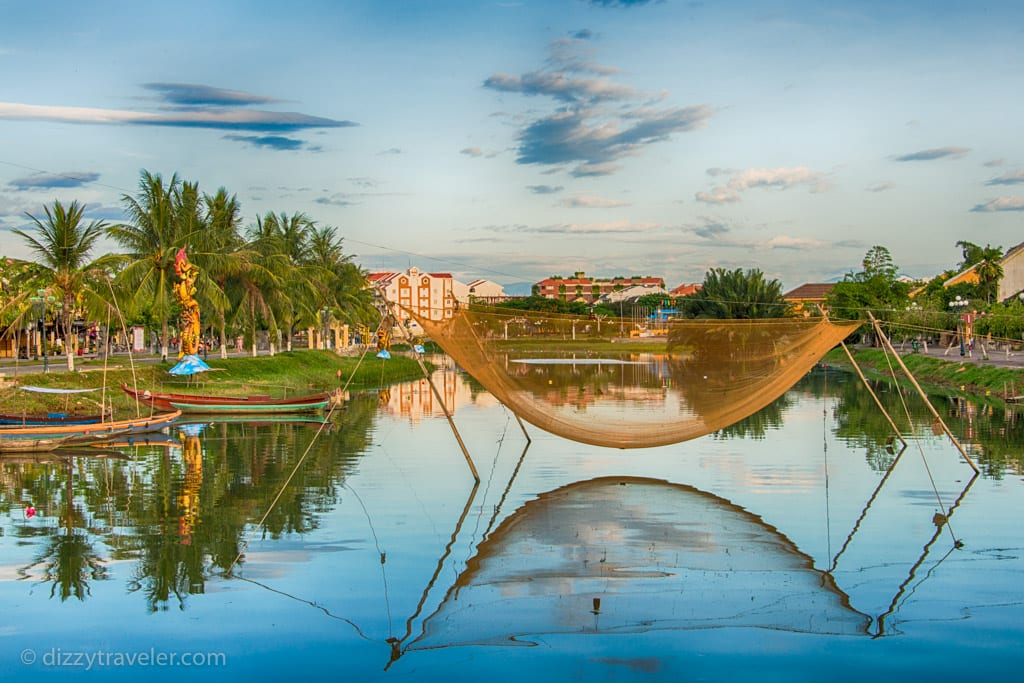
[{"x": 284, "y": 374}]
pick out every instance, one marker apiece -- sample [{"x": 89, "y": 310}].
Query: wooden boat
[
  {"x": 230, "y": 405},
  {"x": 302, "y": 404},
  {"x": 29, "y": 444},
  {"x": 27, "y": 419},
  {"x": 84, "y": 434}
]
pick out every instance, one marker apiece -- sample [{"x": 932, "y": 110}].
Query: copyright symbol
[{"x": 28, "y": 656}]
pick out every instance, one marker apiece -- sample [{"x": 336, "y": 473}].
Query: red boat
[{"x": 199, "y": 403}]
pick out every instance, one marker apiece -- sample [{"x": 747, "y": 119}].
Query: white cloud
[
  {"x": 1001, "y": 204},
  {"x": 584, "y": 202},
  {"x": 777, "y": 178},
  {"x": 787, "y": 242}
]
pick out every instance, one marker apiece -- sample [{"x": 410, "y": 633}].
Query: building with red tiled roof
[
  {"x": 429, "y": 295},
  {"x": 579, "y": 287},
  {"x": 686, "y": 290},
  {"x": 807, "y": 297}
]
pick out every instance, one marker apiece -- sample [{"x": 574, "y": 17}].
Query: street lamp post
[{"x": 958, "y": 305}]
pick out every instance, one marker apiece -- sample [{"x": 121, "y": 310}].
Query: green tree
[
  {"x": 62, "y": 244},
  {"x": 990, "y": 271},
  {"x": 221, "y": 255},
  {"x": 344, "y": 288},
  {"x": 736, "y": 294},
  {"x": 875, "y": 289},
  {"x": 162, "y": 219}
]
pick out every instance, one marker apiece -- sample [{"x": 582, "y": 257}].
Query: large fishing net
[
  {"x": 616, "y": 383},
  {"x": 631, "y": 555}
]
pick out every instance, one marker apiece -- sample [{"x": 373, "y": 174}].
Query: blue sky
[{"x": 513, "y": 140}]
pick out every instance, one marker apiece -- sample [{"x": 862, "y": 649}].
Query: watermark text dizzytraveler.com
[{"x": 79, "y": 659}]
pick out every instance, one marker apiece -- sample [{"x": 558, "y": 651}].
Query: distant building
[
  {"x": 631, "y": 294},
  {"x": 807, "y": 297},
  {"x": 685, "y": 290},
  {"x": 429, "y": 295},
  {"x": 1012, "y": 282},
  {"x": 482, "y": 291},
  {"x": 579, "y": 287}
]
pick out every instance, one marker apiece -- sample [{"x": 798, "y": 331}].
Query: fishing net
[
  {"x": 627, "y": 385},
  {"x": 632, "y": 555}
]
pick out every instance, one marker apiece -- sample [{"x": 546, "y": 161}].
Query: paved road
[
  {"x": 11, "y": 368},
  {"x": 995, "y": 357}
]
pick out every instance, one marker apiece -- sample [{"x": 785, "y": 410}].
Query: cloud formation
[
  {"x": 191, "y": 95},
  {"x": 48, "y": 180},
  {"x": 1001, "y": 204},
  {"x": 277, "y": 142},
  {"x": 191, "y": 106},
  {"x": 584, "y": 202},
  {"x": 619, "y": 3},
  {"x": 1012, "y": 178},
  {"x": 626, "y": 227},
  {"x": 774, "y": 178},
  {"x": 710, "y": 228},
  {"x": 545, "y": 189},
  {"x": 933, "y": 154},
  {"x": 598, "y": 121}
]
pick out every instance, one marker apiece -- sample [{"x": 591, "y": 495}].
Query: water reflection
[
  {"x": 178, "y": 507},
  {"x": 546, "y": 546},
  {"x": 626, "y": 555}
]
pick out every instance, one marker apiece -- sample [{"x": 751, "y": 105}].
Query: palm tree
[
  {"x": 343, "y": 288},
  {"x": 260, "y": 290},
  {"x": 736, "y": 294},
  {"x": 163, "y": 216},
  {"x": 220, "y": 254},
  {"x": 62, "y": 245},
  {"x": 990, "y": 270},
  {"x": 290, "y": 236}
]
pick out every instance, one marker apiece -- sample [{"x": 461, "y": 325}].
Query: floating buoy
[{"x": 30, "y": 512}]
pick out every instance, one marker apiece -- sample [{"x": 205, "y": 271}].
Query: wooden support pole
[
  {"x": 871, "y": 391},
  {"x": 440, "y": 399},
  {"x": 924, "y": 396},
  {"x": 522, "y": 427}
]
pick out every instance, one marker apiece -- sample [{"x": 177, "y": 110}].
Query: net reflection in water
[
  {"x": 629, "y": 555},
  {"x": 709, "y": 373}
]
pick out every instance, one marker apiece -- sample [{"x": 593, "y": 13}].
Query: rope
[
  {"x": 924, "y": 460},
  {"x": 291, "y": 475}
]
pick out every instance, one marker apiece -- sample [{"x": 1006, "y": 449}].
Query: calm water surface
[{"x": 800, "y": 545}]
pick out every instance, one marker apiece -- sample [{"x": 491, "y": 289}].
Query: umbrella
[{"x": 189, "y": 365}]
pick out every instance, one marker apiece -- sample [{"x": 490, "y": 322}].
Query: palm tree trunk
[
  {"x": 163, "y": 339},
  {"x": 68, "y": 346}
]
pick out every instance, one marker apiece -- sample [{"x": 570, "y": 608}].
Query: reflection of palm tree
[{"x": 69, "y": 560}]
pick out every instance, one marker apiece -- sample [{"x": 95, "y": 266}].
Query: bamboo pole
[
  {"x": 924, "y": 396},
  {"x": 871, "y": 391},
  {"x": 440, "y": 399}
]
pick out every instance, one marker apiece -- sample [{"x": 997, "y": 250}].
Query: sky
[{"x": 514, "y": 140}]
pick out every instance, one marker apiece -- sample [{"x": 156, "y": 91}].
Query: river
[{"x": 804, "y": 543}]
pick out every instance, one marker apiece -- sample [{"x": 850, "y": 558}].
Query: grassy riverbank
[
  {"x": 284, "y": 374},
  {"x": 983, "y": 379}
]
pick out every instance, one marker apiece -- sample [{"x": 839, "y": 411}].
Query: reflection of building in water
[
  {"x": 188, "y": 499},
  {"x": 416, "y": 400}
]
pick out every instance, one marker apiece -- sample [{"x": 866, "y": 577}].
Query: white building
[
  {"x": 429, "y": 295},
  {"x": 630, "y": 293},
  {"x": 483, "y": 291}
]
